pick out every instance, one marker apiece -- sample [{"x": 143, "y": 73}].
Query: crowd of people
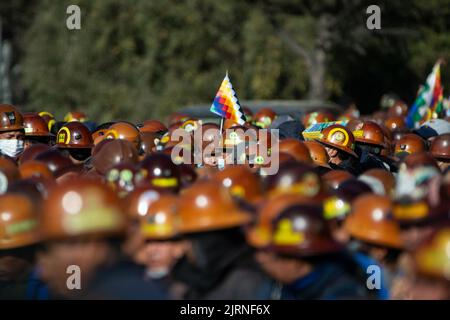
[{"x": 359, "y": 209}]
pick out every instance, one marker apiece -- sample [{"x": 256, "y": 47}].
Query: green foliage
[{"x": 142, "y": 59}]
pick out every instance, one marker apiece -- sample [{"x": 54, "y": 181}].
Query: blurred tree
[{"x": 142, "y": 59}]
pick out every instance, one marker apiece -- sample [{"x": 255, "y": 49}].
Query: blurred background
[{"x": 143, "y": 59}]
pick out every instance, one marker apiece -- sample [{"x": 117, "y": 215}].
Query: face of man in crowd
[
  {"x": 160, "y": 256},
  {"x": 414, "y": 235},
  {"x": 333, "y": 154},
  {"x": 54, "y": 261},
  {"x": 282, "y": 269},
  {"x": 420, "y": 288},
  {"x": 443, "y": 165},
  {"x": 11, "y": 135}
]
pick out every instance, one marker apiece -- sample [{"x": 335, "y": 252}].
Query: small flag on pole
[
  {"x": 226, "y": 103},
  {"x": 429, "y": 101}
]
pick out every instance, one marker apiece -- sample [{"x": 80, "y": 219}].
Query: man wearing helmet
[
  {"x": 11, "y": 131},
  {"x": 339, "y": 143},
  {"x": 304, "y": 260}
]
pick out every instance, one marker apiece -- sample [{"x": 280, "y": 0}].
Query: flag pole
[{"x": 221, "y": 125}]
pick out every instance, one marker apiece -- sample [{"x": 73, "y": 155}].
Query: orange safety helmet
[
  {"x": 432, "y": 257},
  {"x": 153, "y": 126},
  {"x": 296, "y": 148},
  {"x": 258, "y": 235},
  {"x": 240, "y": 181},
  {"x": 205, "y": 206},
  {"x": 379, "y": 177},
  {"x": 140, "y": 199},
  {"x": 264, "y": 117},
  {"x": 34, "y": 168},
  {"x": 75, "y": 116},
  {"x": 176, "y": 117},
  {"x": 302, "y": 231},
  {"x": 295, "y": 178},
  {"x": 369, "y": 132},
  {"x": 371, "y": 221},
  {"x": 113, "y": 153},
  {"x": 161, "y": 220},
  {"x": 48, "y": 118},
  {"x": 19, "y": 225},
  {"x": 35, "y": 126},
  {"x": 318, "y": 153},
  {"x": 338, "y": 137},
  {"x": 74, "y": 135},
  {"x": 399, "y": 109},
  {"x": 395, "y": 123},
  {"x": 10, "y": 118},
  {"x": 317, "y": 117},
  {"x": 409, "y": 143},
  {"x": 124, "y": 131},
  {"x": 334, "y": 178},
  {"x": 440, "y": 147},
  {"x": 82, "y": 208}
]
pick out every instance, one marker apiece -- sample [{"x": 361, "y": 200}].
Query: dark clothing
[
  {"x": 291, "y": 129},
  {"x": 26, "y": 287},
  {"x": 125, "y": 281},
  {"x": 332, "y": 280},
  {"x": 392, "y": 164},
  {"x": 224, "y": 268},
  {"x": 366, "y": 261},
  {"x": 351, "y": 165},
  {"x": 369, "y": 161}
]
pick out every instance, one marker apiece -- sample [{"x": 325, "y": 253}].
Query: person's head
[
  {"x": 339, "y": 143},
  {"x": 81, "y": 220},
  {"x": 11, "y": 131},
  {"x": 300, "y": 239},
  {"x": 369, "y": 137},
  {"x": 75, "y": 139},
  {"x": 370, "y": 222},
  {"x": 430, "y": 276},
  {"x": 284, "y": 269},
  {"x": 211, "y": 222},
  {"x": 18, "y": 235},
  {"x": 440, "y": 150},
  {"x": 36, "y": 130},
  {"x": 161, "y": 246},
  {"x": 339, "y": 204}
]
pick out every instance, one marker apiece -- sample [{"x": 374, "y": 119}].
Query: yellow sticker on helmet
[
  {"x": 358, "y": 133},
  {"x": 285, "y": 234},
  {"x": 157, "y": 230},
  {"x": 411, "y": 211},
  {"x": 64, "y": 135},
  {"x": 339, "y": 135},
  {"x": 51, "y": 122},
  {"x": 165, "y": 182},
  {"x": 335, "y": 207},
  {"x": 238, "y": 191},
  {"x": 21, "y": 227}
]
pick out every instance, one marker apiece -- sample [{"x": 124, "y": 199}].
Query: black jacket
[{"x": 224, "y": 268}]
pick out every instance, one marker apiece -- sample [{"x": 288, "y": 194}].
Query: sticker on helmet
[
  {"x": 64, "y": 135},
  {"x": 339, "y": 135},
  {"x": 11, "y": 117},
  {"x": 286, "y": 235},
  {"x": 238, "y": 191},
  {"x": 165, "y": 182},
  {"x": 112, "y": 134},
  {"x": 21, "y": 227}
]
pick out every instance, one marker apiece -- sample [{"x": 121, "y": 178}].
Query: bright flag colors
[
  {"x": 226, "y": 103},
  {"x": 429, "y": 102}
]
